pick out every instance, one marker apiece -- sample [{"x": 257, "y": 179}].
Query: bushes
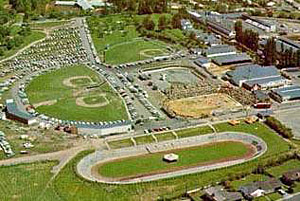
[{"x": 279, "y": 127}]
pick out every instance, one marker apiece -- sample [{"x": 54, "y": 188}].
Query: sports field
[
  {"x": 153, "y": 163},
  {"x": 75, "y": 93},
  {"x": 196, "y": 107}
]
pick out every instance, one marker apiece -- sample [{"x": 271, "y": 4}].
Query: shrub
[{"x": 279, "y": 127}]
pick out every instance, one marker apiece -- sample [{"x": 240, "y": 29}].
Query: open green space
[
  {"x": 194, "y": 131},
  {"x": 277, "y": 171},
  {"x": 144, "y": 139},
  {"x": 50, "y": 87},
  {"x": 27, "y": 40},
  {"x": 249, "y": 179},
  {"x": 120, "y": 143},
  {"x": 147, "y": 164},
  {"x": 25, "y": 181},
  {"x": 165, "y": 136},
  {"x": 45, "y": 25},
  {"x": 118, "y": 38}
]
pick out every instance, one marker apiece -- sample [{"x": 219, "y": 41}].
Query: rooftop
[
  {"x": 232, "y": 59},
  {"x": 220, "y": 49},
  {"x": 13, "y": 109},
  {"x": 290, "y": 91}
]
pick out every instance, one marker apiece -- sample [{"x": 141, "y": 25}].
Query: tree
[
  {"x": 162, "y": 22},
  {"x": 148, "y": 23},
  {"x": 270, "y": 52},
  {"x": 238, "y": 27},
  {"x": 176, "y": 21}
]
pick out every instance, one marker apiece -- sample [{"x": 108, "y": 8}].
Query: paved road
[{"x": 84, "y": 167}]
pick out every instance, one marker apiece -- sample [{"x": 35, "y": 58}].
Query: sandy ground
[
  {"x": 80, "y": 102},
  {"x": 68, "y": 81},
  {"x": 195, "y": 107}
]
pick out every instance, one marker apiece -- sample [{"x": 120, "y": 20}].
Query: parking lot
[{"x": 291, "y": 119}]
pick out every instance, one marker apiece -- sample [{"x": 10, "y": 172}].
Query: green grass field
[
  {"x": 277, "y": 171},
  {"x": 144, "y": 139},
  {"x": 24, "y": 182},
  {"x": 151, "y": 163},
  {"x": 34, "y": 36},
  {"x": 194, "y": 131},
  {"x": 120, "y": 143},
  {"x": 165, "y": 136},
  {"x": 119, "y": 33},
  {"x": 49, "y": 87}
]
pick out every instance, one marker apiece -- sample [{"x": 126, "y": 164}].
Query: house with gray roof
[{"x": 218, "y": 193}]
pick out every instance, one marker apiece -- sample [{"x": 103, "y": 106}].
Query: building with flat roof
[
  {"x": 285, "y": 94},
  {"x": 265, "y": 83},
  {"x": 84, "y": 4},
  {"x": 283, "y": 44},
  {"x": 219, "y": 29},
  {"x": 14, "y": 113},
  {"x": 232, "y": 59},
  {"x": 262, "y": 24},
  {"x": 203, "y": 62},
  {"x": 104, "y": 129},
  {"x": 219, "y": 50},
  {"x": 252, "y": 74}
]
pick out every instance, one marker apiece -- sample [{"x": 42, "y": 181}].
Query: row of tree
[
  {"x": 275, "y": 124},
  {"x": 247, "y": 37},
  {"x": 141, "y": 7}
]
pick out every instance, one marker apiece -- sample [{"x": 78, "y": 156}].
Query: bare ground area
[
  {"x": 68, "y": 81},
  {"x": 50, "y": 102},
  {"x": 80, "y": 102},
  {"x": 196, "y": 107}
]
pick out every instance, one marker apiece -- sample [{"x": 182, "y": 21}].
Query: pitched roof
[{"x": 12, "y": 108}]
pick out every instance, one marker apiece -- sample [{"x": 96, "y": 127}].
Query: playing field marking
[
  {"x": 80, "y": 101},
  {"x": 49, "y": 102},
  {"x": 68, "y": 81},
  {"x": 145, "y": 54}
]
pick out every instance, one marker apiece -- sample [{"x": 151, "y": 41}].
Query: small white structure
[{"x": 171, "y": 158}]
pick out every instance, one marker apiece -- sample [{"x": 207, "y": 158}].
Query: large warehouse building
[
  {"x": 285, "y": 94},
  {"x": 232, "y": 59},
  {"x": 254, "y": 77},
  {"x": 105, "y": 129}
]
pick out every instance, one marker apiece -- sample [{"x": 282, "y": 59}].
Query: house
[
  {"x": 285, "y": 94},
  {"x": 218, "y": 193},
  {"x": 14, "y": 113},
  {"x": 260, "y": 188},
  {"x": 291, "y": 176}
]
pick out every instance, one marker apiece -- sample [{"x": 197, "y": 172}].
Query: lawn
[
  {"x": 25, "y": 181},
  {"x": 152, "y": 163},
  {"x": 34, "y": 36},
  {"x": 277, "y": 171},
  {"x": 120, "y": 143},
  {"x": 46, "y": 25},
  {"x": 144, "y": 139},
  {"x": 118, "y": 35},
  {"x": 194, "y": 131},
  {"x": 49, "y": 87},
  {"x": 165, "y": 136}
]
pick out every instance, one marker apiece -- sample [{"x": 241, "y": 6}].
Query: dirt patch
[
  {"x": 80, "y": 102},
  {"x": 145, "y": 53},
  {"x": 50, "y": 102},
  {"x": 68, "y": 81},
  {"x": 196, "y": 107}
]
